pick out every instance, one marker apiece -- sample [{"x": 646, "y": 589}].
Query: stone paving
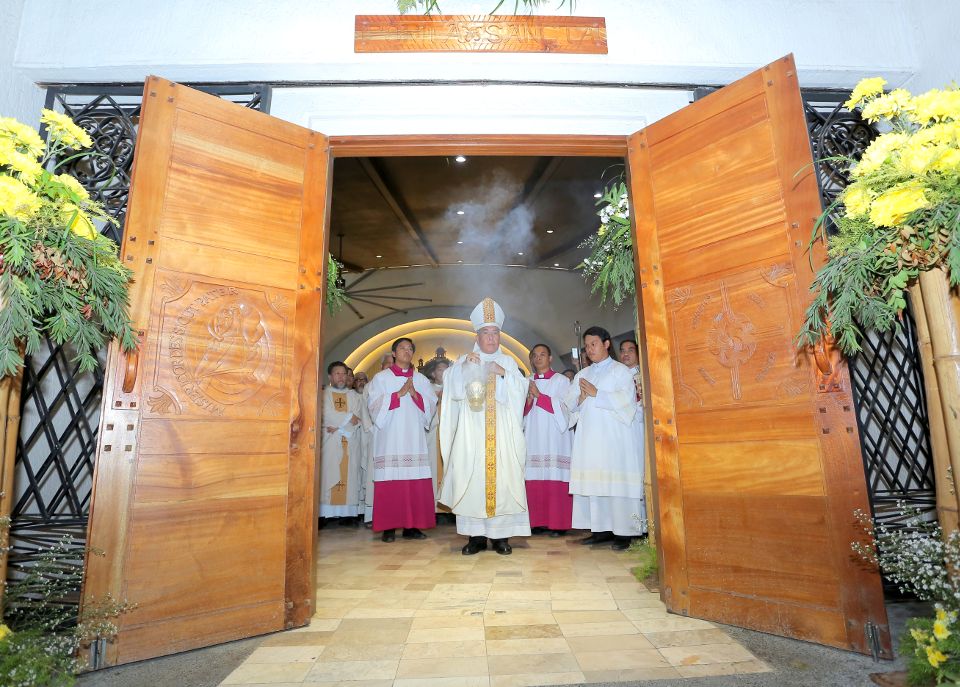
[{"x": 418, "y": 613}]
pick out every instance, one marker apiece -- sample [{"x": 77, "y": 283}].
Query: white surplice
[
  {"x": 340, "y": 453},
  {"x": 367, "y": 429},
  {"x": 463, "y": 447},
  {"x": 549, "y": 439},
  {"x": 606, "y": 467},
  {"x": 433, "y": 446},
  {"x": 400, "y": 445},
  {"x": 640, "y": 439}
]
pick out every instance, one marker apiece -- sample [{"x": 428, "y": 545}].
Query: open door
[
  {"x": 758, "y": 465},
  {"x": 204, "y": 488}
]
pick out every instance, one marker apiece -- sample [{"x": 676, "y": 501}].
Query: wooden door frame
[{"x": 505, "y": 145}]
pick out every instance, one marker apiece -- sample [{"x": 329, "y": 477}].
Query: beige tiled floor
[{"x": 418, "y": 613}]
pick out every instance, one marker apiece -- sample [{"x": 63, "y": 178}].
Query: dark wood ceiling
[{"x": 405, "y": 210}]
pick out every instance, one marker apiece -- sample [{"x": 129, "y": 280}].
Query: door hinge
[
  {"x": 871, "y": 633},
  {"x": 98, "y": 652}
]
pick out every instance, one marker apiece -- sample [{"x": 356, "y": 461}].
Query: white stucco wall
[
  {"x": 20, "y": 97},
  {"x": 935, "y": 27}
]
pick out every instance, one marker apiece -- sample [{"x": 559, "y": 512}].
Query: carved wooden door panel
[
  {"x": 758, "y": 465},
  {"x": 204, "y": 489}
]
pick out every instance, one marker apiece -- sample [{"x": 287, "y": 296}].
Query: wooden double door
[{"x": 205, "y": 487}]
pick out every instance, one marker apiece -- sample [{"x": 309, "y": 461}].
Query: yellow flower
[
  {"x": 25, "y": 165},
  {"x": 78, "y": 222},
  {"x": 940, "y": 630},
  {"x": 857, "y": 200},
  {"x": 947, "y": 160},
  {"x": 865, "y": 89},
  {"x": 919, "y": 636},
  {"x": 895, "y": 205},
  {"x": 16, "y": 200},
  {"x": 4, "y": 632},
  {"x": 878, "y": 152},
  {"x": 72, "y": 185},
  {"x": 62, "y": 127},
  {"x": 936, "y": 105},
  {"x": 916, "y": 158},
  {"x": 935, "y": 657},
  {"x": 24, "y": 137},
  {"x": 941, "y": 615},
  {"x": 891, "y": 105}
]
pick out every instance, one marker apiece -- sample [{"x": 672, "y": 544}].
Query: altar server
[
  {"x": 549, "y": 441},
  {"x": 401, "y": 403},
  {"x": 370, "y": 429},
  {"x": 606, "y": 473},
  {"x": 630, "y": 356}
]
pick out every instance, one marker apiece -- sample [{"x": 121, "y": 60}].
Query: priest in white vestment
[
  {"x": 481, "y": 439},
  {"x": 606, "y": 472},
  {"x": 435, "y": 376},
  {"x": 549, "y": 441},
  {"x": 340, "y": 447},
  {"x": 402, "y": 402},
  {"x": 630, "y": 356},
  {"x": 371, "y": 430}
]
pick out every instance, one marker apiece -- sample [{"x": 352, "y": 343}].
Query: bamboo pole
[
  {"x": 9, "y": 429},
  {"x": 942, "y": 308},
  {"x": 946, "y": 488}
]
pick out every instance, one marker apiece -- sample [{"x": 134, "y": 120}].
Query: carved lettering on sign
[
  {"x": 695, "y": 323},
  {"x": 480, "y": 33}
]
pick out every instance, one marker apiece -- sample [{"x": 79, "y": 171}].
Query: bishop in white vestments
[
  {"x": 402, "y": 402},
  {"x": 549, "y": 441},
  {"x": 340, "y": 447},
  {"x": 606, "y": 472},
  {"x": 481, "y": 439}
]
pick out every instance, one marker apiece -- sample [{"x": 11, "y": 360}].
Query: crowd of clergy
[{"x": 509, "y": 455}]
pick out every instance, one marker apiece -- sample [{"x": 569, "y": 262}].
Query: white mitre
[{"x": 487, "y": 314}]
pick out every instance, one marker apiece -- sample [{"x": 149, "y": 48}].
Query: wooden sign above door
[{"x": 480, "y": 33}]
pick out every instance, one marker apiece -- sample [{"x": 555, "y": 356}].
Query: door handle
[{"x": 130, "y": 371}]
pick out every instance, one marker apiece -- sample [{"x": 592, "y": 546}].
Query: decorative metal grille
[
  {"x": 887, "y": 375},
  {"x": 60, "y": 407}
]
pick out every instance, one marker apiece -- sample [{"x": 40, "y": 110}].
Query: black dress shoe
[
  {"x": 597, "y": 538},
  {"x": 558, "y": 533},
  {"x": 475, "y": 545},
  {"x": 388, "y": 536},
  {"x": 413, "y": 533},
  {"x": 502, "y": 546},
  {"x": 537, "y": 530},
  {"x": 620, "y": 543}
]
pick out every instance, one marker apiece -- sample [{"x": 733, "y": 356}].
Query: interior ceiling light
[
  {"x": 460, "y": 158},
  {"x": 459, "y": 243},
  {"x": 556, "y": 264},
  {"x": 459, "y": 212},
  {"x": 519, "y": 253},
  {"x": 459, "y": 260},
  {"x": 379, "y": 256},
  {"x": 598, "y": 195},
  {"x": 549, "y": 231}
]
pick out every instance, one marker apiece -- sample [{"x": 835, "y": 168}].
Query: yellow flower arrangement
[
  {"x": 900, "y": 214},
  {"x": 59, "y": 277},
  {"x": 935, "y": 657},
  {"x": 4, "y": 632}
]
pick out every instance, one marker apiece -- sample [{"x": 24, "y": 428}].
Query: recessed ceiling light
[
  {"x": 460, "y": 158},
  {"x": 459, "y": 243},
  {"x": 459, "y": 260},
  {"x": 459, "y": 212},
  {"x": 556, "y": 264},
  {"x": 598, "y": 195},
  {"x": 379, "y": 256},
  {"x": 519, "y": 253},
  {"x": 549, "y": 231}
]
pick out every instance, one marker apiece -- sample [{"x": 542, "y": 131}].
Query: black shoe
[
  {"x": 502, "y": 546},
  {"x": 388, "y": 536},
  {"x": 558, "y": 533},
  {"x": 597, "y": 538},
  {"x": 537, "y": 530},
  {"x": 475, "y": 545},
  {"x": 620, "y": 543},
  {"x": 413, "y": 533}
]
